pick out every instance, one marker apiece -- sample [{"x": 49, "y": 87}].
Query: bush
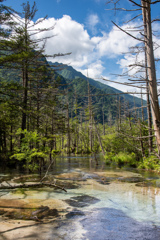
[
  {"x": 122, "y": 158},
  {"x": 108, "y": 157},
  {"x": 150, "y": 163},
  {"x": 28, "y": 153},
  {"x": 125, "y": 158}
]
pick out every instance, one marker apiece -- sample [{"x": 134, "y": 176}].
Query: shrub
[
  {"x": 122, "y": 158},
  {"x": 28, "y": 153},
  {"x": 150, "y": 163}
]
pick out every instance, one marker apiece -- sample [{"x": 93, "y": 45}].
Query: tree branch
[
  {"x": 139, "y": 39},
  {"x": 127, "y": 84}
]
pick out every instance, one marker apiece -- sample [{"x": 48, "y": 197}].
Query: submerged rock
[
  {"x": 82, "y": 201},
  {"x": 74, "y": 203},
  {"x": 74, "y": 213},
  {"x": 40, "y": 213},
  {"x": 149, "y": 183},
  {"x": 2, "y": 212},
  {"x": 44, "y": 212},
  {"x": 74, "y": 176},
  {"x": 86, "y": 176},
  {"x": 71, "y": 185},
  {"x": 105, "y": 180},
  {"x": 87, "y": 199},
  {"x": 145, "y": 184},
  {"x": 40, "y": 210},
  {"x": 131, "y": 179}
]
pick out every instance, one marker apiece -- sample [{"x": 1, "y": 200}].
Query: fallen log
[
  {"x": 39, "y": 184},
  {"x": 24, "y": 185}
]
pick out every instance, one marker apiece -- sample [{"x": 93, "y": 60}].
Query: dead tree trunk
[
  {"x": 68, "y": 127},
  {"x": 151, "y": 69},
  {"x": 90, "y": 117},
  {"x": 142, "y": 112},
  {"x": 150, "y": 140},
  {"x": 119, "y": 114},
  {"x": 99, "y": 137}
]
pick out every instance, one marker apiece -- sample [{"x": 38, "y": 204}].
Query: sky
[{"x": 84, "y": 28}]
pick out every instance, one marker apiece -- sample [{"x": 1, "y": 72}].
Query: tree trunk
[
  {"x": 151, "y": 70},
  {"x": 119, "y": 114},
  {"x": 103, "y": 122},
  {"x": 142, "y": 112},
  {"x": 68, "y": 127},
  {"x": 25, "y": 80},
  {"x": 90, "y": 118},
  {"x": 25, "y": 96},
  {"x": 135, "y": 114},
  {"x": 99, "y": 137},
  {"x": 150, "y": 140},
  {"x": 141, "y": 141}
]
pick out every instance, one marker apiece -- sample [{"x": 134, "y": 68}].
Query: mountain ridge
[
  {"x": 68, "y": 72},
  {"x": 104, "y": 97}
]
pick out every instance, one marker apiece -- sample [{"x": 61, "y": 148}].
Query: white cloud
[
  {"x": 94, "y": 70},
  {"x": 92, "y": 53},
  {"x": 116, "y": 42},
  {"x": 92, "y": 21},
  {"x": 156, "y": 47},
  {"x": 132, "y": 63},
  {"x": 86, "y": 51},
  {"x": 70, "y": 37}
]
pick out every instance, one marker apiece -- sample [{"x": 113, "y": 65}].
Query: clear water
[
  {"x": 124, "y": 199},
  {"x": 140, "y": 203}
]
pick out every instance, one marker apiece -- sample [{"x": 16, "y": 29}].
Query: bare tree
[
  {"x": 146, "y": 10},
  {"x": 145, "y": 7}
]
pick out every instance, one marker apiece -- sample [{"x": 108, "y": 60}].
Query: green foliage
[
  {"x": 54, "y": 152},
  {"x": 108, "y": 103},
  {"x": 150, "y": 163},
  {"x": 38, "y": 105},
  {"x": 113, "y": 142},
  {"x": 123, "y": 158},
  {"x": 31, "y": 150},
  {"x": 108, "y": 158},
  {"x": 96, "y": 147},
  {"x": 125, "y": 146}
]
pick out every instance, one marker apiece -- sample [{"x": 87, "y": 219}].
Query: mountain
[{"x": 104, "y": 98}]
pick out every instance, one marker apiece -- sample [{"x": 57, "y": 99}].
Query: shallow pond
[{"x": 101, "y": 203}]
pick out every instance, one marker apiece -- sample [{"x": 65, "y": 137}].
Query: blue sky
[{"x": 84, "y": 28}]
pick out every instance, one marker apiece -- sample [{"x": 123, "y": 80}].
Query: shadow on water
[
  {"x": 99, "y": 224},
  {"x": 111, "y": 224}
]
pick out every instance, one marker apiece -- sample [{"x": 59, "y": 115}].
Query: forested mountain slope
[{"x": 105, "y": 99}]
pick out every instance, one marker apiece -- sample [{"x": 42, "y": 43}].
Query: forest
[
  {"x": 79, "y": 159},
  {"x": 48, "y": 109}
]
